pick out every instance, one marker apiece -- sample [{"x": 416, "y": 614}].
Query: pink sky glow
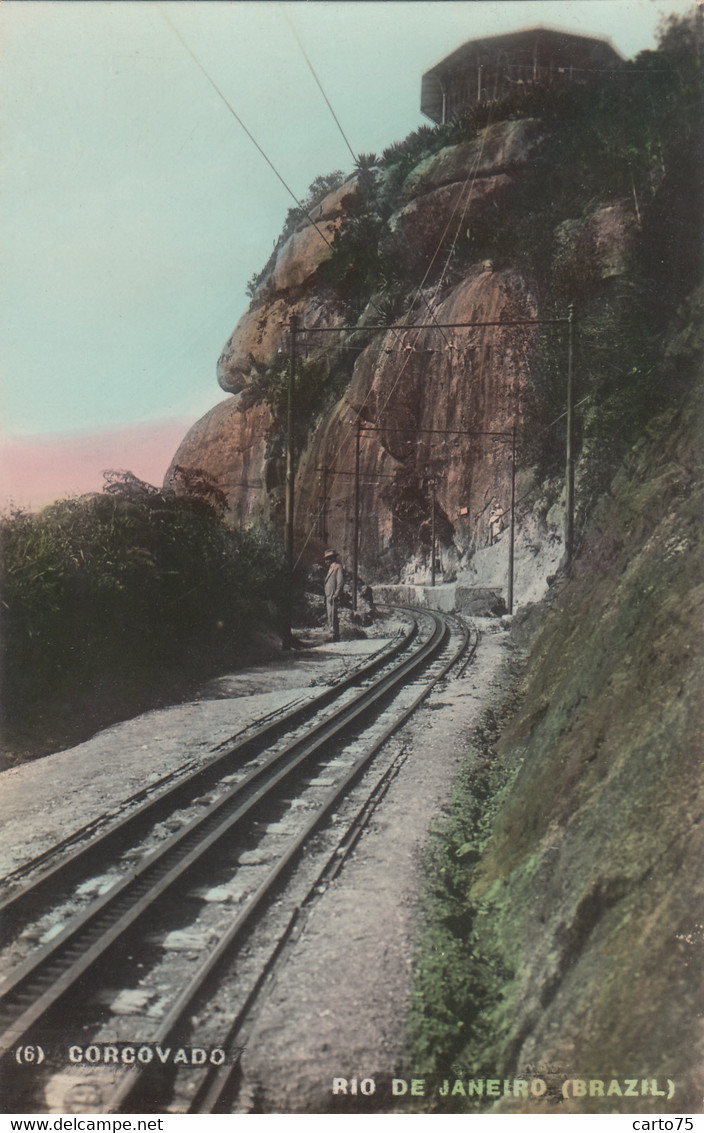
[{"x": 36, "y": 470}]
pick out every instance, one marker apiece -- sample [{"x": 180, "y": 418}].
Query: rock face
[
  {"x": 421, "y": 227},
  {"x": 501, "y": 148},
  {"x": 407, "y": 387},
  {"x": 437, "y": 407},
  {"x": 289, "y": 289},
  {"x": 229, "y": 443},
  {"x": 595, "y": 248},
  {"x": 460, "y": 183},
  {"x": 262, "y": 332}
]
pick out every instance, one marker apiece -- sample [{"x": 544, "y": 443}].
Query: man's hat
[{"x": 330, "y": 555}]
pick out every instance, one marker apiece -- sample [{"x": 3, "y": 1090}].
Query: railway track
[
  {"x": 252, "y": 838},
  {"x": 66, "y": 862}
]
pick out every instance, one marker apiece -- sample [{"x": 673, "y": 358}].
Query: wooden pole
[
  {"x": 569, "y": 446},
  {"x": 511, "y": 543},
  {"x": 355, "y": 533},
  {"x": 432, "y": 541},
  {"x": 290, "y": 456},
  {"x": 324, "y": 517}
]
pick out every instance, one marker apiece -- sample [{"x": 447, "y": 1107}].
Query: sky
[{"x": 134, "y": 208}]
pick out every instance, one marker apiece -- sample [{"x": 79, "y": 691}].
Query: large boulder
[
  {"x": 229, "y": 445},
  {"x": 430, "y": 222},
  {"x": 435, "y": 405},
  {"x": 501, "y": 148}
]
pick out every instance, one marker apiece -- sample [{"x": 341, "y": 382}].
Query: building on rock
[{"x": 485, "y": 70}]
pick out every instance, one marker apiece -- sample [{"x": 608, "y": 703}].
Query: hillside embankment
[{"x": 563, "y": 933}]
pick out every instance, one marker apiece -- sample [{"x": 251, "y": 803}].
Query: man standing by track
[{"x": 334, "y": 581}]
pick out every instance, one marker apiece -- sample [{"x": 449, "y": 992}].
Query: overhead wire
[
  {"x": 237, "y": 118},
  {"x": 249, "y": 134},
  {"x": 355, "y": 157},
  {"x": 465, "y": 196},
  {"x": 344, "y": 136},
  {"x": 347, "y": 143},
  {"x": 469, "y": 185},
  {"x": 320, "y": 85},
  {"x": 419, "y": 293},
  {"x": 463, "y": 200},
  {"x": 419, "y": 290}
]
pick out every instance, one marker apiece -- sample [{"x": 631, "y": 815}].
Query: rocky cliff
[
  {"x": 564, "y": 939},
  {"x": 437, "y": 407},
  {"x": 584, "y": 196}
]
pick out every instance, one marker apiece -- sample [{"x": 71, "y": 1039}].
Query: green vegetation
[
  {"x": 318, "y": 384},
  {"x": 364, "y": 266},
  {"x": 607, "y": 141},
  {"x": 456, "y": 985},
  {"x": 540, "y": 878},
  {"x": 113, "y": 601}
]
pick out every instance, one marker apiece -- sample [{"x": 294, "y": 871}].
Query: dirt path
[
  {"x": 50, "y": 798},
  {"x": 338, "y": 1003}
]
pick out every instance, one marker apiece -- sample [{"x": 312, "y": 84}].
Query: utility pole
[
  {"x": 323, "y": 521},
  {"x": 290, "y": 454},
  {"x": 509, "y": 587},
  {"x": 569, "y": 446},
  {"x": 432, "y": 540},
  {"x": 405, "y": 327},
  {"x": 355, "y": 533}
]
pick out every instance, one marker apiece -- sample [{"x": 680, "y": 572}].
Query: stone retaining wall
[{"x": 479, "y": 601}]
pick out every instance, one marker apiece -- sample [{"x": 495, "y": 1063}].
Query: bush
[
  {"x": 456, "y": 985},
  {"x": 113, "y": 599}
]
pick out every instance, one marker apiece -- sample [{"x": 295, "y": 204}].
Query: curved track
[
  {"x": 251, "y": 781},
  {"x": 66, "y": 862}
]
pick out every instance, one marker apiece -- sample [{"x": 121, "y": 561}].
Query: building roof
[{"x": 585, "y": 53}]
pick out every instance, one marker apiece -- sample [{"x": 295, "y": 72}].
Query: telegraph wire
[
  {"x": 355, "y": 157},
  {"x": 249, "y": 134},
  {"x": 320, "y": 85},
  {"x": 419, "y": 292},
  {"x": 342, "y": 132}
]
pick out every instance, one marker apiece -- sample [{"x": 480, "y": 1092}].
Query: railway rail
[
  {"x": 297, "y": 770},
  {"x": 74, "y": 857}
]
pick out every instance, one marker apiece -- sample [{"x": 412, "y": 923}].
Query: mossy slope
[{"x": 573, "y": 940}]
